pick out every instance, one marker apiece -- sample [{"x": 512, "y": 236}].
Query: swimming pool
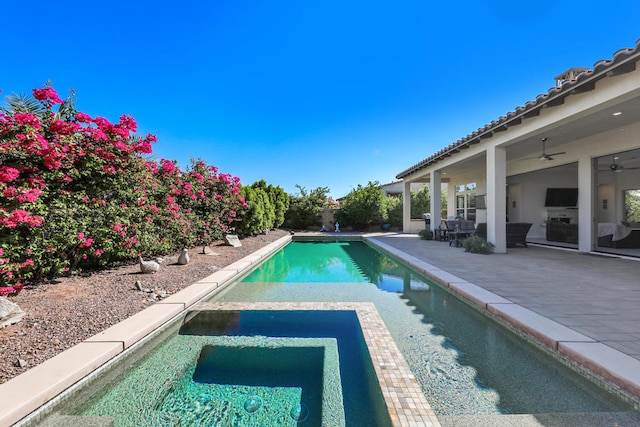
[
  {"x": 466, "y": 363},
  {"x": 396, "y": 292}
]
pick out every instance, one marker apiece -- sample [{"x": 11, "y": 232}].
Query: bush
[
  {"x": 305, "y": 208},
  {"x": 363, "y": 207},
  {"x": 266, "y": 206},
  {"x": 420, "y": 202},
  {"x": 426, "y": 234},
  {"x": 77, "y": 192},
  {"x": 394, "y": 210},
  {"x": 477, "y": 245}
]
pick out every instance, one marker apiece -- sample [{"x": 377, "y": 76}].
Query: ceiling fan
[
  {"x": 545, "y": 155},
  {"x": 617, "y": 167}
]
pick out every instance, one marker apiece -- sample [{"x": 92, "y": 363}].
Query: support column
[
  {"x": 497, "y": 198},
  {"x": 436, "y": 208},
  {"x": 406, "y": 207},
  {"x": 586, "y": 209}
]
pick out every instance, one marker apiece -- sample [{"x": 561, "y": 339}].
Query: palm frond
[{"x": 21, "y": 103}]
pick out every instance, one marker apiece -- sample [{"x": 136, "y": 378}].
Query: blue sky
[{"x": 317, "y": 94}]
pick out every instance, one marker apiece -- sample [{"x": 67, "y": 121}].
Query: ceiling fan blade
[
  {"x": 529, "y": 158},
  {"x": 544, "y": 156}
]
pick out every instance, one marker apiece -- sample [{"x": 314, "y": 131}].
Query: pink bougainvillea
[
  {"x": 75, "y": 190},
  {"x": 8, "y": 173},
  {"x": 47, "y": 94}
]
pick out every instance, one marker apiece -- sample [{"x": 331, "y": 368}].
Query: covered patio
[{"x": 567, "y": 162}]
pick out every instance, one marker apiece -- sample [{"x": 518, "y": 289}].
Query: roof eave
[{"x": 623, "y": 61}]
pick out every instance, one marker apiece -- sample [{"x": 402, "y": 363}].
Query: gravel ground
[{"x": 62, "y": 314}]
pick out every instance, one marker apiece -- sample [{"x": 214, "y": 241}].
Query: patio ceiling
[{"x": 592, "y": 124}]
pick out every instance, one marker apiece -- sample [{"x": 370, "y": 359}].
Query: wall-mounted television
[
  {"x": 481, "y": 202},
  {"x": 561, "y": 197}
]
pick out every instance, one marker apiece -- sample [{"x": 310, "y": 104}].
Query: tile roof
[{"x": 623, "y": 61}]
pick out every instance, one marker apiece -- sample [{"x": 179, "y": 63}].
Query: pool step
[
  {"x": 591, "y": 419},
  {"x": 77, "y": 421}
]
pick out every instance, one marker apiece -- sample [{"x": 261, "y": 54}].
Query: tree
[
  {"x": 255, "y": 217},
  {"x": 279, "y": 200},
  {"x": 394, "y": 210},
  {"x": 632, "y": 205},
  {"x": 363, "y": 207},
  {"x": 305, "y": 208},
  {"x": 420, "y": 202}
]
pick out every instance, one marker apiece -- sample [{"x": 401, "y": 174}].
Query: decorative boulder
[
  {"x": 148, "y": 266},
  {"x": 183, "y": 258},
  {"x": 232, "y": 240},
  {"x": 206, "y": 250},
  {"x": 10, "y": 313}
]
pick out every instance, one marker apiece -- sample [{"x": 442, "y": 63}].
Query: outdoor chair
[
  {"x": 481, "y": 230},
  {"x": 517, "y": 233},
  {"x": 459, "y": 229}
]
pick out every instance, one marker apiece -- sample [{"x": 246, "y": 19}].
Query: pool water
[
  {"x": 362, "y": 399},
  {"x": 247, "y": 385},
  {"x": 216, "y": 380},
  {"x": 466, "y": 363},
  {"x": 241, "y": 368},
  {"x": 311, "y": 262}
]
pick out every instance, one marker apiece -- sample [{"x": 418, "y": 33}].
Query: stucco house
[{"x": 565, "y": 162}]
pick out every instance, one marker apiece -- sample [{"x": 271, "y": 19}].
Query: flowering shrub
[{"x": 76, "y": 192}]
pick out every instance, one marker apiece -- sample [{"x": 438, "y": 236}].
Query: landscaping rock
[
  {"x": 10, "y": 313},
  {"x": 232, "y": 240},
  {"x": 206, "y": 250},
  {"x": 184, "y": 258},
  {"x": 148, "y": 267}
]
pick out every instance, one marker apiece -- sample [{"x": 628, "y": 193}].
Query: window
[
  {"x": 632, "y": 205},
  {"x": 466, "y": 201}
]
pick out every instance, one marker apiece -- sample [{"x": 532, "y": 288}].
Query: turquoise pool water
[
  {"x": 311, "y": 262},
  {"x": 275, "y": 385},
  {"x": 466, "y": 363},
  {"x": 361, "y": 396},
  {"x": 239, "y": 368}
]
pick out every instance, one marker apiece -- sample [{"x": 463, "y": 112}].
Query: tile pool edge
[
  {"x": 403, "y": 396},
  {"x": 53, "y": 376},
  {"x": 618, "y": 371}
]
